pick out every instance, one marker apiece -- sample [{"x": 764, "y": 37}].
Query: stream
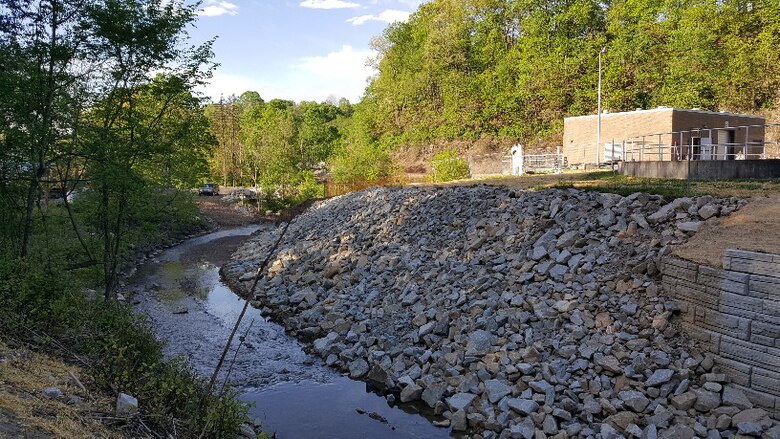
[{"x": 291, "y": 393}]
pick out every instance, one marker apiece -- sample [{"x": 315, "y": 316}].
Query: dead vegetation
[{"x": 27, "y": 411}]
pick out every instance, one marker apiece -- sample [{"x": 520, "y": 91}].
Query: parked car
[{"x": 209, "y": 189}]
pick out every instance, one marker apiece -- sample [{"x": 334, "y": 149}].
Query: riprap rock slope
[{"x": 513, "y": 314}]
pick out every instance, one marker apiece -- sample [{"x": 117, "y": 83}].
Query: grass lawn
[{"x": 608, "y": 181}]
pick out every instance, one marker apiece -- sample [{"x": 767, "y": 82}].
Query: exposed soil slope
[
  {"x": 756, "y": 227},
  {"x": 27, "y": 410}
]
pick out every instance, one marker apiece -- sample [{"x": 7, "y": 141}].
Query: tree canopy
[{"x": 512, "y": 69}]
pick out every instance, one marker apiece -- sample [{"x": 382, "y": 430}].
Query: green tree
[
  {"x": 122, "y": 133},
  {"x": 43, "y": 44},
  {"x": 225, "y": 123},
  {"x": 270, "y": 143}
]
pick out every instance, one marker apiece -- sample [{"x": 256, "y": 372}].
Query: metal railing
[
  {"x": 543, "y": 162},
  {"x": 697, "y": 144}
]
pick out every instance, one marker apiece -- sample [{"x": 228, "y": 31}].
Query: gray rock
[
  {"x": 708, "y": 211},
  {"x": 750, "y": 428},
  {"x": 433, "y": 394},
  {"x": 608, "y": 432},
  {"x": 52, "y": 392},
  {"x": 567, "y": 239},
  {"x": 690, "y": 226},
  {"x": 496, "y": 390},
  {"x": 358, "y": 368},
  {"x": 377, "y": 376},
  {"x": 458, "y": 420},
  {"x": 479, "y": 342},
  {"x": 749, "y": 415},
  {"x": 550, "y": 425},
  {"x": 610, "y": 363},
  {"x": 665, "y": 213},
  {"x": 323, "y": 345},
  {"x": 684, "y": 401},
  {"x": 523, "y": 430},
  {"x": 737, "y": 398},
  {"x": 660, "y": 376},
  {"x": 248, "y": 432},
  {"x": 635, "y": 400},
  {"x": 633, "y": 430},
  {"x": 411, "y": 393},
  {"x": 773, "y": 433},
  {"x": 538, "y": 253},
  {"x": 481, "y": 291},
  {"x": 706, "y": 400},
  {"x": 678, "y": 432},
  {"x": 460, "y": 401},
  {"x": 126, "y": 405},
  {"x": 621, "y": 420},
  {"x": 523, "y": 406}
]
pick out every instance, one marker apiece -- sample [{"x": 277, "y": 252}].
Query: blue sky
[{"x": 295, "y": 49}]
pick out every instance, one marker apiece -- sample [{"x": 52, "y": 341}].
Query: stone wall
[{"x": 735, "y": 311}]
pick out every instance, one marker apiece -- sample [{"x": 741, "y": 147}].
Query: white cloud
[
  {"x": 342, "y": 73},
  {"x": 216, "y": 8},
  {"x": 328, "y": 4},
  {"x": 347, "y": 64},
  {"x": 388, "y": 16}
]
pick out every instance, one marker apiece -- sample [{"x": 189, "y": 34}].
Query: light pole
[{"x": 598, "y": 116}]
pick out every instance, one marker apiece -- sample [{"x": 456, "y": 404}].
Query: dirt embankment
[
  {"x": 42, "y": 397},
  {"x": 226, "y": 214},
  {"x": 755, "y": 227}
]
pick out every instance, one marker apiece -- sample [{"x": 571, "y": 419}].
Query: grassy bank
[
  {"x": 608, "y": 181},
  {"x": 45, "y": 304}
]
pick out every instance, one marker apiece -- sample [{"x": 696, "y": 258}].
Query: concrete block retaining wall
[
  {"x": 735, "y": 312},
  {"x": 703, "y": 169}
]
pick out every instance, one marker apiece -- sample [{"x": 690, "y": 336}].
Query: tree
[
  {"x": 271, "y": 143},
  {"x": 124, "y": 130},
  {"x": 43, "y": 48},
  {"x": 225, "y": 124}
]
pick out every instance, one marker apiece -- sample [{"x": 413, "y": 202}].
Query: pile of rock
[{"x": 512, "y": 314}]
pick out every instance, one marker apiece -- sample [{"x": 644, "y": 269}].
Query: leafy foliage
[
  {"x": 121, "y": 352},
  {"x": 511, "y": 70},
  {"x": 448, "y": 166},
  {"x": 275, "y": 146},
  {"x": 81, "y": 115}
]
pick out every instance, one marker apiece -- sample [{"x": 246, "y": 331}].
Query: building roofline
[{"x": 670, "y": 109}]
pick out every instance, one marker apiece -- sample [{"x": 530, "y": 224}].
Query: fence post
[
  {"x": 624, "y": 151},
  {"x": 612, "y": 159}
]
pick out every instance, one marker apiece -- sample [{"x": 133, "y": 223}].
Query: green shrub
[
  {"x": 309, "y": 188},
  {"x": 448, "y": 166},
  {"x": 361, "y": 163}
]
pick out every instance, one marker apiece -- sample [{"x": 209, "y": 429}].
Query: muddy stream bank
[{"x": 292, "y": 393}]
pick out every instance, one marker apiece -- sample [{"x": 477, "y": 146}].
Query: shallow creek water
[{"x": 292, "y": 393}]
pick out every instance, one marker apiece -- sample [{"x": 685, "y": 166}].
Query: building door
[
  {"x": 726, "y": 143},
  {"x": 706, "y": 148},
  {"x": 695, "y": 149}
]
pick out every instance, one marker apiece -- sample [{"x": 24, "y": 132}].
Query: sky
[{"x": 294, "y": 49}]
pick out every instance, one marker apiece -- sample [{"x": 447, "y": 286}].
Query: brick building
[{"x": 663, "y": 134}]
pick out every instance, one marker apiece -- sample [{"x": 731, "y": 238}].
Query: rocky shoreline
[{"x": 513, "y": 314}]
